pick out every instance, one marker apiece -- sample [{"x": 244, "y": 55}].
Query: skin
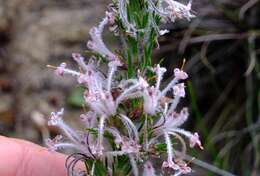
[{"x": 22, "y": 158}]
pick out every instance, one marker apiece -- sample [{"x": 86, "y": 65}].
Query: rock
[{"x": 43, "y": 32}]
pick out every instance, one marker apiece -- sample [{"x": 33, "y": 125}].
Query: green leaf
[
  {"x": 122, "y": 166},
  {"x": 130, "y": 69},
  {"x": 145, "y": 20},
  {"x": 161, "y": 147},
  {"x": 100, "y": 169}
]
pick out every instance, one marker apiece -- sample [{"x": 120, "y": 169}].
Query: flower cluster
[
  {"x": 168, "y": 10},
  {"x": 172, "y": 10},
  {"x": 110, "y": 97}
]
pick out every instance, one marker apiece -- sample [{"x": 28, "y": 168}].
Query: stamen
[
  {"x": 189, "y": 162},
  {"x": 183, "y": 63},
  {"x": 51, "y": 66},
  {"x": 152, "y": 78}
]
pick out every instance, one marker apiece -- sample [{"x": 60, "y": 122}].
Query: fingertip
[
  {"x": 22, "y": 158},
  {"x": 9, "y": 158}
]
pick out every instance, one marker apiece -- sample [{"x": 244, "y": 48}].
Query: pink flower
[
  {"x": 194, "y": 140},
  {"x": 176, "y": 10},
  {"x": 174, "y": 119},
  {"x": 97, "y": 44},
  {"x": 170, "y": 164},
  {"x": 89, "y": 119},
  {"x": 52, "y": 143},
  {"x": 150, "y": 100},
  {"x": 82, "y": 79},
  {"x": 143, "y": 83},
  {"x": 130, "y": 146},
  {"x": 179, "y": 74},
  {"x": 111, "y": 17},
  {"x": 151, "y": 94},
  {"x": 179, "y": 90},
  {"x": 181, "y": 117},
  {"x": 159, "y": 70},
  {"x": 149, "y": 169},
  {"x": 77, "y": 57},
  {"x": 61, "y": 69},
  {"x": 185, "y": 169},
  {"x": 55, "y": 118},
  {"x": 96, "y": 150}
]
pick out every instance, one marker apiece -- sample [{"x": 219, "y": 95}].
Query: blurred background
[{"x": 221, "y": 46}]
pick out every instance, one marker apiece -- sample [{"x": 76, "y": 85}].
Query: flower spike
[{"x": 127, "y": 114}]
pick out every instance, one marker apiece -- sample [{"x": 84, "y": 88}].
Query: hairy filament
[
  {"x": 134, "y": 165},
  {"x": 130, "y": 126}
]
